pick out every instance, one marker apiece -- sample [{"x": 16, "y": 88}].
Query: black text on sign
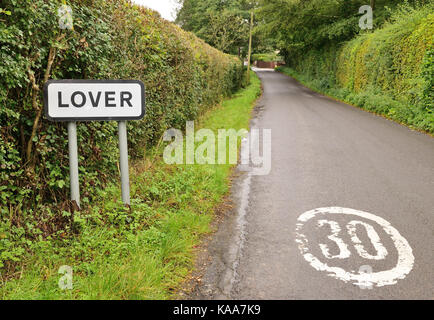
[{"x": 93, "y": 100}]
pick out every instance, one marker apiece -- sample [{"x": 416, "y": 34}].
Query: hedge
[
  {"x": 389, "y": 71},
  {"x": 267, "y": 57},
  {"x": 111, "y": 39}
]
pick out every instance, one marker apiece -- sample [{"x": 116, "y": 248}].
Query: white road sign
[{"x": 94, "y": 100}]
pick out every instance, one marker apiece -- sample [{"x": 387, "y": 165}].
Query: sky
[{"x": 166, "y": 8}]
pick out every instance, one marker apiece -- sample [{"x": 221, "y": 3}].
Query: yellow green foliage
[
  {"x": 390, "y": 58},
  {"x": 389, "y": 70}
]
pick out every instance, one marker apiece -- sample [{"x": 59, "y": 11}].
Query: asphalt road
[{"x": 327, "y": 154}]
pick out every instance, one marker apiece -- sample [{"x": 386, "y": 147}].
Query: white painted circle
[{"x": 379, "y": 279}]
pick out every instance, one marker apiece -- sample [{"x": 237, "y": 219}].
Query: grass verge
[
  {"x": 144, "y": 252},
  {"x": 415, "y": 117}
]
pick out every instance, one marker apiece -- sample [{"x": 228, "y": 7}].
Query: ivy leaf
[{"x": 6, "y": 12}]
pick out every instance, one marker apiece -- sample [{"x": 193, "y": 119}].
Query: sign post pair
[{"x": 95, "y": 100}]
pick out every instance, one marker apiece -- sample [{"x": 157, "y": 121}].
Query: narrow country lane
[{"x": 327, "y": 154}]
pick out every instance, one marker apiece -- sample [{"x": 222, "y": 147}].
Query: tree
[
  {"x": 221, "y": 23},
  {"x": 227, "y": 31}
]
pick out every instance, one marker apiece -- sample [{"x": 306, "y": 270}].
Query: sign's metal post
[
  {"x": 95, "y": 100},
  {"x": 73, "y": 162},
  {"x": 123, "y": 151}
]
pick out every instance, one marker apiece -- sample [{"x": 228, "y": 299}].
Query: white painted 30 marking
[
  {"x": 343, "y": 248},
  {"x": 405, "y": 254},
  {"x": 373, "y": 236}
]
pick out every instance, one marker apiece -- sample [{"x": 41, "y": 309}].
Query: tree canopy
[
  {"x": 293, "y": 26},
  {"x": 223, "y": 24},
  {"x": 300, "y": 25}
]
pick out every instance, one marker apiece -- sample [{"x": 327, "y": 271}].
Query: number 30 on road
[{"x": 324, "y": 217}]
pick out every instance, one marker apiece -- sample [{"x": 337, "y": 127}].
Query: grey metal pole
[
  {"x": 123, "y": 151},
  {"x": 73, "y": 162},
  {"x": 249, "y": 55}
]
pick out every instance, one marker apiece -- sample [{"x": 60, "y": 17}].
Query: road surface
[{"x": 327, "y": 154}]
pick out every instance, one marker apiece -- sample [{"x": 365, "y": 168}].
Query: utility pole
[
  {"x": 373, "y": 11},
  {"x": 250, "y": 48}
]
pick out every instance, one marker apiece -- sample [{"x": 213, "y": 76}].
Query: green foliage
[
  {"x": 303, "y": 25},
  {"x": 222, "y": 24},
  {"x": 428, "y": 76},
  {"x": 111, "y": 39},
  {"x": 388, "y": 71},
  {"x": 267, "y": 57},
  {"x": 3, "y": 11}
]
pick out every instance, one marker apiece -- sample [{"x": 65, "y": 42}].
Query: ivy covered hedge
[
  {"x": 389, "y": 70},
  {"x": 111, "y": 39}
]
